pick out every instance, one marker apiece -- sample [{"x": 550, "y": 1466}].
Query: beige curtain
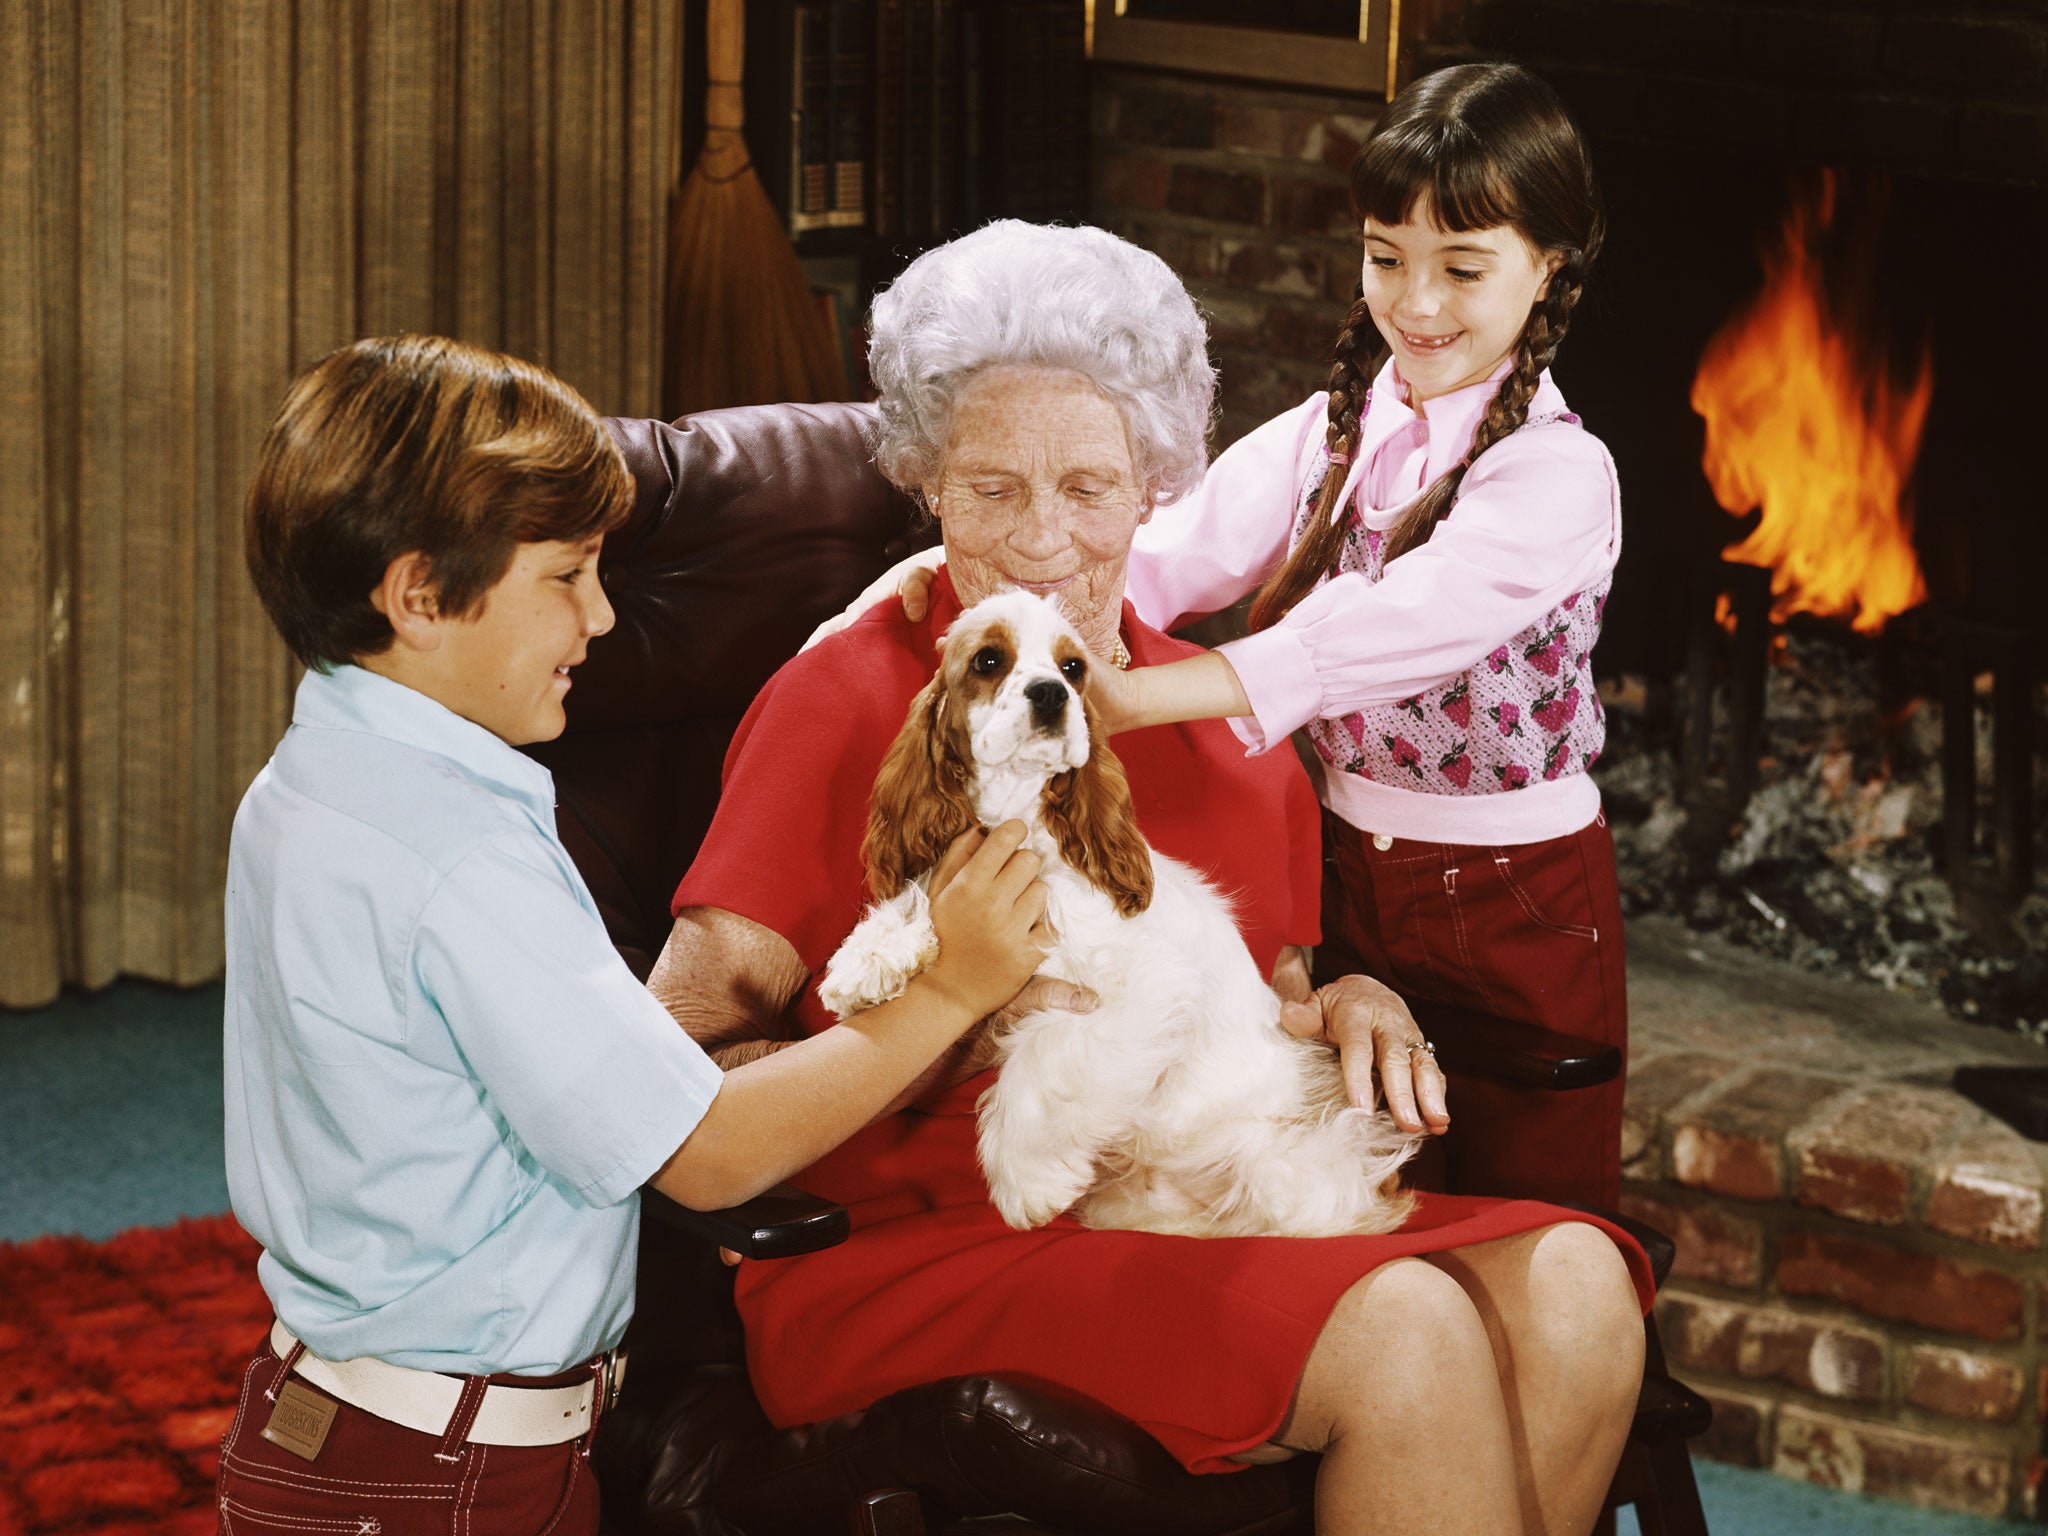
[{"x": 197, "y": 199}]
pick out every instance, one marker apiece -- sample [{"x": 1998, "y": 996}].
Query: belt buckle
[{"x": 611, "y": 1378}]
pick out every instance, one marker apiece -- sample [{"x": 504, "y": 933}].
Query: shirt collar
[
  {"x": 352, "y": 698},
  {"x": 1450, "y": 421},
  {"x": 1453, "y": 418}
]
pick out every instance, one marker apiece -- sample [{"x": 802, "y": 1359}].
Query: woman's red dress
[{"x": 1199, "y": 1340}]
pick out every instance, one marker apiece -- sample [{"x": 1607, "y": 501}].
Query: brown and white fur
[{"x": 1178, "y": 1104}]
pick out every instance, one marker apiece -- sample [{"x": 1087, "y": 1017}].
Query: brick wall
[
  {"x": 1242, "y": 191},
  {"x": 1945, "y": 88},
  {"x": 1241, "y": 188},
  {"x": 1859, "y": 1283}
]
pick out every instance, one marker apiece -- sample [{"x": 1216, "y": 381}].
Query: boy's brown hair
[{"x": 399, "y": 444}]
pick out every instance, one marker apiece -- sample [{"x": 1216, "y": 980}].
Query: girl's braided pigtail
[{"x": 1316, "y": 553}]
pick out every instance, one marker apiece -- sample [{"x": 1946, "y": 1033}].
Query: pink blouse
[{"x": 1537, "y": 522}]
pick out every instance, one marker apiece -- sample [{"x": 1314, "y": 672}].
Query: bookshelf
[{"x": 880, "y": 128}]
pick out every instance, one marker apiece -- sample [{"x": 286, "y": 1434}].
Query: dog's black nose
[{"x": 1048, "y": 700}]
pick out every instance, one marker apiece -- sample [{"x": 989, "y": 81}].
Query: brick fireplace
[{"x": 1862, "y": 1284}]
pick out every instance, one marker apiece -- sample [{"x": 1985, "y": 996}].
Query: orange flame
[{"x": 1804, "y": 420}]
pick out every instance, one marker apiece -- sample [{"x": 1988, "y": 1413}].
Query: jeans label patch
[{"x": 300, "y": 1421}]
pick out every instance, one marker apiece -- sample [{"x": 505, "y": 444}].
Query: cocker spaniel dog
[{"x": 1179, "y": 1104}]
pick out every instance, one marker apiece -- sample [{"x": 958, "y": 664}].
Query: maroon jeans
[
  {"x": 372, "y": 1475},
  {"x": 1530, "y": 932}
]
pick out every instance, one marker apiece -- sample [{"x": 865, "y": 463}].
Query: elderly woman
[{"x": 1042, "y": 390}]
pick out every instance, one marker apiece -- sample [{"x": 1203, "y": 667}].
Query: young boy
[{"x": 444, "y": 1088}]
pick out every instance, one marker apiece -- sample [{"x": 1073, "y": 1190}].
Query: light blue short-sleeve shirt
[{"x": 444, "y": 1088}]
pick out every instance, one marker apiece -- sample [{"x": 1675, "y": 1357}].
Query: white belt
[{"x": 426, "y": 1400}]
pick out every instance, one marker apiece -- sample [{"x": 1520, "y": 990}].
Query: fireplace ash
[{"x": 1834, "y": 860}]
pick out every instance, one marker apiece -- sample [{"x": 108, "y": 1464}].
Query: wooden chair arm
[
  {"x": 778, "y": 1224},
  {"x": 1482, "y": 1045}
]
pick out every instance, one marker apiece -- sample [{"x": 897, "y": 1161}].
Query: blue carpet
[
  {"x": 110, "y": 1112},
  {"x": 110, "y": 1117},
  {"x": 1740, "y": 1501}
]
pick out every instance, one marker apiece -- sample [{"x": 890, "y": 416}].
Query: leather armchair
[{"x": 749, "y": 526}]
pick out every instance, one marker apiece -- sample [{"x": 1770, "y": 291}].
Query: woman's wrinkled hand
[
  {"x": 1380, "y": 1048},
  {"x": 1291, "y": 982},
  {"x": 910, "y": 579}
]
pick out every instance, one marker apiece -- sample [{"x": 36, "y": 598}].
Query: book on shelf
[
  {"x": 832, "y": 93},
  {"x": 943, "y": 87},
  {"x": 906, "y": 122},
  {"x": 1026, "y": 72},
  {"x": 885, "y": 158}
]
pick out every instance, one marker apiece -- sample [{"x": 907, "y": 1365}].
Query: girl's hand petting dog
[{"x": 1376, "y": 1039}]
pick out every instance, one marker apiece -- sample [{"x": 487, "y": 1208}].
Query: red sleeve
[{"x": 784, "y": 846}]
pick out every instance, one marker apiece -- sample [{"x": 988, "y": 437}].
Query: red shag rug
[{"x": 120, "y": 1363}]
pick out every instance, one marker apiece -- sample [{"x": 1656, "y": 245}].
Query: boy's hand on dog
[
  {"x": 988, "y": 909},
  {"x": 1380, "y": 1047}
]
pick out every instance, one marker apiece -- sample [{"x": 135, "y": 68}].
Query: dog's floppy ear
[
  {"x": 1088, "y": 811},
  {"x": 920, "y": 801}
]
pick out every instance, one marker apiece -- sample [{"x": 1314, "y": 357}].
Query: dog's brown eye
[
  {"x": 1073, "y": 669},
  {"x": 986, "y": 661}
]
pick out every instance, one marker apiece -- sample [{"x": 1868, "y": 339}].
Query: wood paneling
[{"x": 197, "y": 198}]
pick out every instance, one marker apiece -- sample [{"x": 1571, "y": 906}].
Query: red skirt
[
  {"x": 1530, "y": 932},
  {"x": 1200, "y": 1341}
]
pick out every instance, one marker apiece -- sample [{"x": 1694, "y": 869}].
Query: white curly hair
[{"x": 1046, "y": 296}]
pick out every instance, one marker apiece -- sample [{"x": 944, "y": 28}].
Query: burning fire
[{"x": 1804, "y": 420}]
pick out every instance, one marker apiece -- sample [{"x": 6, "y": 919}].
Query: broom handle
[
  {"x": 724, "y": 155},
  {"x": 725, "y": 57}
]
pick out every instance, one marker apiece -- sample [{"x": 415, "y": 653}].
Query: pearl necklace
[{"x": 1120, "y": 658}]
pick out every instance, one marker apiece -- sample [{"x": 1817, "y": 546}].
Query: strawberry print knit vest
[{"x": 1528, "y": 711}]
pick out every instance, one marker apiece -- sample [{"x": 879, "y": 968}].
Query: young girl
[{"x": 1432, "y": 543}]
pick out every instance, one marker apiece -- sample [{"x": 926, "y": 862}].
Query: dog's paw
[
  {"x": 886, "y": 949},
  {"x": 1035, "y": 1199}
]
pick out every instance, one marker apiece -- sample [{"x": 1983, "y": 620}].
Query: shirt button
[{"x": 1381, "y": 841}]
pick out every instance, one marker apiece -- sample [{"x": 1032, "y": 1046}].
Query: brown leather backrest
[{"x": 748, "y": 527}]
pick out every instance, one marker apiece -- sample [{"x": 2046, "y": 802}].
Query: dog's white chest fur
[{"x": 1178, "y": 1104}]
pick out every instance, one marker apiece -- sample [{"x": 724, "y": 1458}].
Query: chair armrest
[
  {"x": 1482, "y": 1045},
  {"x": 778, "y": 1224}
]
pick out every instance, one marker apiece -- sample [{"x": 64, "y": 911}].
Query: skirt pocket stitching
[
  {"x": 1505, "y": 865},
  {"x": 1464, "y": 945},
  {"x": 1412, "y": 925}
]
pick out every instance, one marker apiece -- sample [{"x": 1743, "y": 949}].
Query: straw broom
[{"x": 743, "y": 325}]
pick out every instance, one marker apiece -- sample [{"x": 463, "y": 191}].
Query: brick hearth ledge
[{"x": 1861, "y": 1286}]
